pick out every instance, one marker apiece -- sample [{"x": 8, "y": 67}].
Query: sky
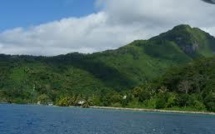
[{"x": 53, "y": 27}]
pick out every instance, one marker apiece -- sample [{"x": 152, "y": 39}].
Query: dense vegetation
[
  {"x": 190, "y": 87},
  {"x": 106, "y": 78}
]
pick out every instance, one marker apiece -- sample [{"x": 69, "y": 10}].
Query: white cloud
[{"x": 117, "y": 23}]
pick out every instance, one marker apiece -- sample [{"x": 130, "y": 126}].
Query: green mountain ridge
[{"x": 28, "y": 77}]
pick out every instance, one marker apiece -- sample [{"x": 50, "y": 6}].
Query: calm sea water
[{"x": 30, "y": 119}]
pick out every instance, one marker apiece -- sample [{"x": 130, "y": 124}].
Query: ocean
[{"x": 38, "y": 119}]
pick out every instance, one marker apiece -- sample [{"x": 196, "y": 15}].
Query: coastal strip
[{"x": 153, "y": 110}]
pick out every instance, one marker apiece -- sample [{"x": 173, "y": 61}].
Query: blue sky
[
  {"x": 24, "y": 13},
  {"x": 53, "y": 27}
]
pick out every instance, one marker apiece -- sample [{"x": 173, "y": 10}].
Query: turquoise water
[{"x": 30, "y": 119}]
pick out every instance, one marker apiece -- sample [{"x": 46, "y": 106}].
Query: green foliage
[
  {"x": 43, "y": 99},
  {"x": 193, "y": 85},
  {"x": 65, "y": 101},
  {"x": 142, "y": 95},
  {"x": 171, "y": 100},
  {"x": 189, "y": 87},
  {"x": 210, "y": 102}
]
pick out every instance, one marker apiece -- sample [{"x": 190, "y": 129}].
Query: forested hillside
[{"x": 190, "y": 87}]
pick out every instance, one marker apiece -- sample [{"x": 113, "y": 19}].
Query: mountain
[{"x": 29, "y": 78}]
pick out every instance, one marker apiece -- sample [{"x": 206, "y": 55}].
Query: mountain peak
[
  {"x": 182, "y": 27},
  {"x": 190, "y": 40}
]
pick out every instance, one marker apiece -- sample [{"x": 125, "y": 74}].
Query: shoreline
[
  {"x": 133, "y": 109},
  {"x": 153, "y": 110}
]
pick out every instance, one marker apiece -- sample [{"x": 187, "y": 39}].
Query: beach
[{"x": 154, "y": 110}]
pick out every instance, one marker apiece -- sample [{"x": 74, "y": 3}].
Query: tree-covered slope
[
  {"x": 30, "y": 78},
  {"x": 191, "y": 87}
]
